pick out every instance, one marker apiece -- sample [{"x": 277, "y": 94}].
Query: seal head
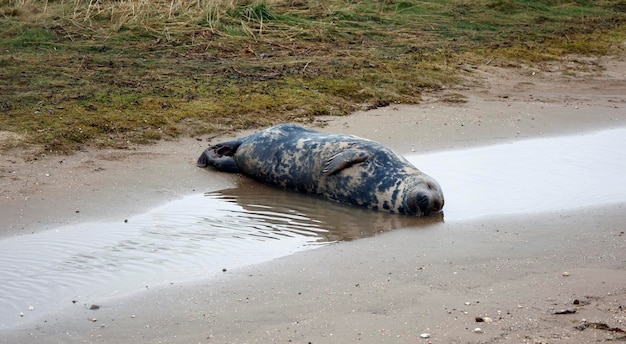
[{"x": 425, "y": 199}]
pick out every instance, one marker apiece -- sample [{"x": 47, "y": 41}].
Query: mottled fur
[{"x": 344, "y": 168}]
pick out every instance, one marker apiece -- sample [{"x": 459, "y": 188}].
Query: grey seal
[{"x": 343, "y": 168}]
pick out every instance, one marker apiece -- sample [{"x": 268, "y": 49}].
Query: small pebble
[
  {"x": 31, "y": 308},
  {"x": 21, "y": 314},
  {"x": 478, "y": 330},
  {"x": 566, "y": 274},
  {"x": 425, "y": 335}
]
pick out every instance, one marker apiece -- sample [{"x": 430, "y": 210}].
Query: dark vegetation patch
[{"x": 113, "y": 73}]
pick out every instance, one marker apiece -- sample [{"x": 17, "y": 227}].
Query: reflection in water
[
  {"x": 199, "y": 235},
  {"x": 190, "y": 238},
  {"x": 329, "y": 221}
]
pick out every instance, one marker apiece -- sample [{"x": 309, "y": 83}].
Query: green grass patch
[{"x": 110, "y": 73}]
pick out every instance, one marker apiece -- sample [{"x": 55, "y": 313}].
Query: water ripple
[{"x": 194, "y": 237}]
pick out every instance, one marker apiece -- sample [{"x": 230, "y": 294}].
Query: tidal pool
[{"x": 198, "y": 236}]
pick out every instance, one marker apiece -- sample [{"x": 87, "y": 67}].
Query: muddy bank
[{"x": 391, "y": 287}]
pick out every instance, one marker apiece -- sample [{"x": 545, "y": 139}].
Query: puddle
[
  {"x": 191, "y": 238},
  {"x": 199, "y": 235}
]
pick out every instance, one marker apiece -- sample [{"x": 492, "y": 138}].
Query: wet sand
[{"x": 392, "y": 287}]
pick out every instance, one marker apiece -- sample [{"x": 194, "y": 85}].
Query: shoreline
[
  {"x": 136, "y": 181},
  {"x": 496, "y": 105}
]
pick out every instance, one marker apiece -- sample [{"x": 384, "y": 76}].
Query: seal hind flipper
[
  {"x": 344, "y": 159},
  {"x": 227, "y": 148},
  {"x": 220, "y": 156}
]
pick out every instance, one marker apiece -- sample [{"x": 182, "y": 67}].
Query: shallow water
[
  {"x": 191, "y": 238},
  {"x": 530, "y": 176},
  {"x": 199, "y": 235}
]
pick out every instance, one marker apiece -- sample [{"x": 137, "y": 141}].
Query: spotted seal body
[{"x": 343, "y": 168}]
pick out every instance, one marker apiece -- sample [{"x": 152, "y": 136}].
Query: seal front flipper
[
  {"x": 220, "y": 156},
  {"x": 344, "y": 159}
]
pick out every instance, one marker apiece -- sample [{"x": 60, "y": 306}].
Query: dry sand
[{"x": 392, "y": 287}]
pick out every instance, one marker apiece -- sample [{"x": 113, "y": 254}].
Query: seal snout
[
  {"x": 423, "y": 202},
  {"x": 426, "y": 200},
  {"x": 428, "y": 204}
]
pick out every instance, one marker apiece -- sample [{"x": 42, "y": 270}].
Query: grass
[{"x": 111, "y": 73}]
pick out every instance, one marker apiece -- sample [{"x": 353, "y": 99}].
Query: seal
[{"x": 343, "y": 168}]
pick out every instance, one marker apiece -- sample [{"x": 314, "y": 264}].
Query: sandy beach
[{"x": 553, "y": 277}]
